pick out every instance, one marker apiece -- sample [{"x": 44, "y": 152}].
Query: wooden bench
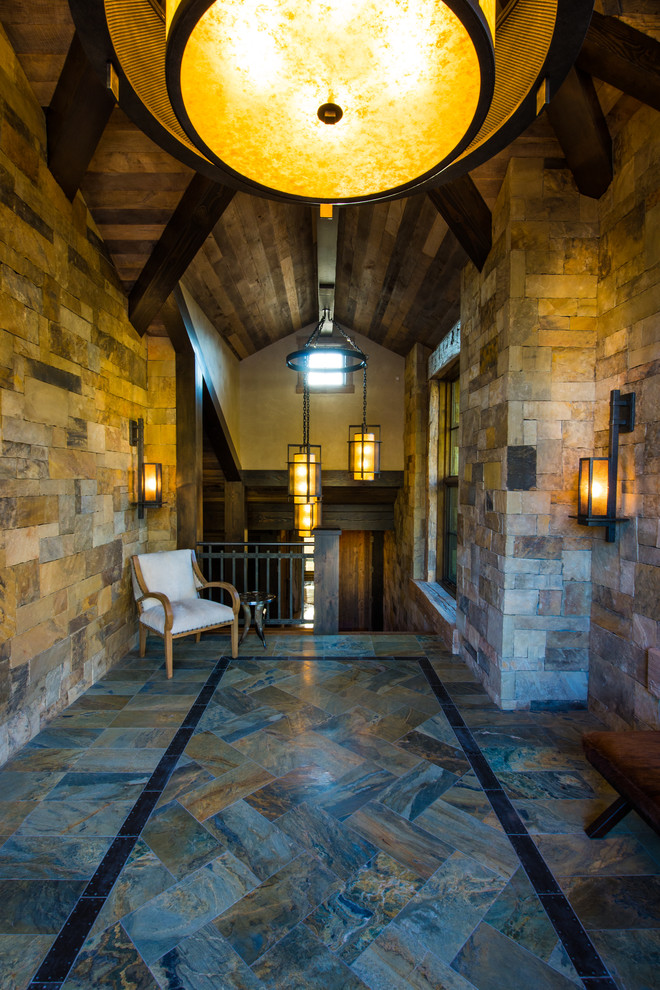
[{"x": 630, "y": 762}]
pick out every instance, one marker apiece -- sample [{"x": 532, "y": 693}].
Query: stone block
[
  {"x": 492, "y": 475},
  {"x": 550, "y": 602},
  {"x": 71, "y": 463},
  {"x": 21, "y": 545},
  {"x": 647, "y": 591},
  {"x": 37, "y": 510},
  {"x": 644, "y": 631},
  {"x": 520, "y": 602},
  {"x": 539, "y": 547},
  {"x": 653, "y": 672},
  {"x": 577, "y": 598},
  {"x": 550, "y": 686},
  {"x": 567, "y": 658},
  {"x": 548, "y": 286},
  {"x": 45, "y": 403},
  {"x": 521, "y": 467},
  {"x": 57, "y": 574}
]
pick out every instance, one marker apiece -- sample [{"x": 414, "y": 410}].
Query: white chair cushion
[
  {"x": 189, "y": 616},
  {"x": 169, "y": 572}
]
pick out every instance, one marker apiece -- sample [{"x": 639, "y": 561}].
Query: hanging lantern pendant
[{"x": 364, "y": 444}]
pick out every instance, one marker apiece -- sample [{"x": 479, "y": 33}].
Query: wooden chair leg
[
  {"x": 198, "y": 637},
  {"x": 143, "y": 639},
  {"x": 169, "y": 667},
  {"x": 608, "y": 818},
  {"x": 234, "y": 637}
]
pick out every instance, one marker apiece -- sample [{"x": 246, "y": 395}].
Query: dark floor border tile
[
  {"x": 62, "y": 954},
  {"x": 577, "y": 943},
  {"x": 579, "y": 947}
]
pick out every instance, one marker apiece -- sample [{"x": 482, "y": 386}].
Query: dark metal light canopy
[{"x": 413, "y": 95}]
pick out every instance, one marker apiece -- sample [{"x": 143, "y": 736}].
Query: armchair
[{"x": 166, "y": 586}]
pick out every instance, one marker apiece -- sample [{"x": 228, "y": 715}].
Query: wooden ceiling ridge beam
[
  {"x": 199, "y": 209},
  {"x": 467, "y": 215},
  {"x": 76, "y": 118},
  {"x": 623, "y": 57},
  {"x": 581, "y": 129},
  {"x": 179, "y": 325}
]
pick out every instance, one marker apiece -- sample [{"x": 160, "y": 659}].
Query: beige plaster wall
[
  {"x": 73, "y": 372},
  {"x": 271, "y": 409}
]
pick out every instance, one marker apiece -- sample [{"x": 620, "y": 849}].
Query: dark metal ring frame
[
  {"x": 297, "y": 360},
  {"x": 572, "y": 21}
]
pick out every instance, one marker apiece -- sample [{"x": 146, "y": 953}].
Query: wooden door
[{"x": 360, "y": 577}]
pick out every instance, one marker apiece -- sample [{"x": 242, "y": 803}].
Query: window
[
  {"x": 326, "y": 377},
  {"x": 322, "y": 380},
  {"x": 450, "y": 483}
]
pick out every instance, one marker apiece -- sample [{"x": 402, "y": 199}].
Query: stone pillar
[
  {"x": 527, "y": 406},
  {"x": 326, "y": 581}
]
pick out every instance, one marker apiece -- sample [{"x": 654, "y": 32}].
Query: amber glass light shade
[
  {"x": 150, "y": 484},
  {"x": 364, "y": 452},
  {"x": 593, "y": 488},
  {"x": 409, "y": 85},
  {"x": 305, "y": 473},
  {"x": 306, "y": 516}
]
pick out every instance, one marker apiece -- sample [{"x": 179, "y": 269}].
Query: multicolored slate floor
[{"x": 336, "y": 812}]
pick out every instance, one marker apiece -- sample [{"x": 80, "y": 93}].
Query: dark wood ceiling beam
[
  {"x": 199, "y": 209},
  {"x": 579, "y": 123},
  {"x": 76, "y": 118},
  {"x": 467, "y": 215},
  {"x": 623, "y": 57}
]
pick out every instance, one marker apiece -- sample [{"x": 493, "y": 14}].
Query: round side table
[{"x": 257, "y": 601}]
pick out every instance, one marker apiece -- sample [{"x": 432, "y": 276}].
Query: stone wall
[
  {"x": 564, "y": 310},
  {"x": 527, "y": 392},
  {"x": 625, "y": 613},
  {"x": 73, "y": 372}
]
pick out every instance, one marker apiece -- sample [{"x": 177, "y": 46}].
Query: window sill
[{"x": 440, "y": 608}]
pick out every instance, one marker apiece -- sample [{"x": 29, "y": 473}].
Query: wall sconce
[
  {"x": 149, "y": 473},
  {"x": 597, "y": 479}
]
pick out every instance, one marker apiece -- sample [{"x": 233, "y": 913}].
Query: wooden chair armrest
[
  {"x": 236, "y": 601},
  {"x": 164, "y": 601}
]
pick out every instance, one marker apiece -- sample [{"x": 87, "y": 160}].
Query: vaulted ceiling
[{"x": 251, "y": 262}]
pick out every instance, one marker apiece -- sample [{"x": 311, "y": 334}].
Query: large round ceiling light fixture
[
  {"x": 333, "y": 100},
  {"x": 405, "y": 84}
]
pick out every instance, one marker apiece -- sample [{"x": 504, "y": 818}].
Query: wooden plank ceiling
[{"x": 254, "y": 275}]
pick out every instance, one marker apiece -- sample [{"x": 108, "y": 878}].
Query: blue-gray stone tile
[
  {"x": 450, "y": 905},
  {"x": 199, "y": 960},
  {"x": 109, "y": 959},
  {"x": 266, "y": 914},
  {"x": 177, "y": 912},
  {"x": 253, "y": 839}
]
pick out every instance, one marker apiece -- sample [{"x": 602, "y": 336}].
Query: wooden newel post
[{"x": 326, "y": 581}]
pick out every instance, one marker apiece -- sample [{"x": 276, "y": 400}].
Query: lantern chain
[
  {"x": 306, "y": 413},
  {"x": 364, "y": 399}
]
